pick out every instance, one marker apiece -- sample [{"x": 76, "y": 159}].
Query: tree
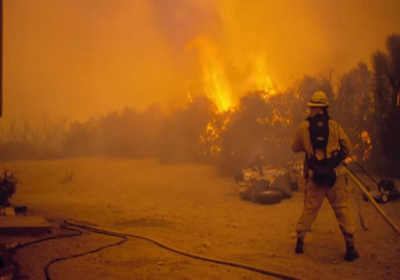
[
  {"x": 386, "y": 70},
  {"x": 245, "y": 134},
  {"x": 354, "y": 97},
  {"x": 393, "y": 47},
  {"x": 182, "y": 133},
  {"x": 81, "y": 139}
]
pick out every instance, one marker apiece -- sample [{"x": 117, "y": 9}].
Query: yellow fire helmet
[{"x": 318, "y": 99}]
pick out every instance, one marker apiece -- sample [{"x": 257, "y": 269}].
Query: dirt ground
[{"x": 191, "y": 208}]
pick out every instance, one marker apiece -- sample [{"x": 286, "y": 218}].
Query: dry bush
[{"x": 31, "y": 139}]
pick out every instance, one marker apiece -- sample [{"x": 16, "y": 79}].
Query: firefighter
[{"x": 326, "y": 145}]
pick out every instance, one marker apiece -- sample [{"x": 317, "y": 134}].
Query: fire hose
[
  {"x": 364, "y": 190},
  {"x": 187, "y": 254},
  {"x": 77, "y": 231}
]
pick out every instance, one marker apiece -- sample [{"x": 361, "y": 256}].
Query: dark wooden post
[{"x": 1, "y": 58}]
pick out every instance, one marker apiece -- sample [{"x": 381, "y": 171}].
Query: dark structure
[{"x": 1, "y": 58}]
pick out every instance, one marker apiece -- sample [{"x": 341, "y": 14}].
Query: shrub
[{"x": 8, "y": 185}]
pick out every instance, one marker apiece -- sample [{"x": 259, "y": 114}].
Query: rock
[
  {"x": 206, "y": 244},
  {"x": 335, "y": 262}
]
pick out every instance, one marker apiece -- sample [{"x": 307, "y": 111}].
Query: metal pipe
[{"x": 372, "y": 200}]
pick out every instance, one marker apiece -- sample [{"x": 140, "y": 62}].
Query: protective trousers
[{"x": 337, "y": 196}]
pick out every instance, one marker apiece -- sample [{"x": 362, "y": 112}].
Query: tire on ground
[
  {"x": 254, "y": 188},
  {"x": 269, "y": 197},
  {"x": 282, "y": 183}
]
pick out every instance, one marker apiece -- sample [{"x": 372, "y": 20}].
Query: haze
[{"x": 81, "y": 58}]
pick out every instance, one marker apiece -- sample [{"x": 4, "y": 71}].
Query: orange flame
[
  {"x": 216, "y": 83},
  {"x": 350, "y": 159},
  {"x": 259, "y": 79},
  {"x": 366, "y": 139}
]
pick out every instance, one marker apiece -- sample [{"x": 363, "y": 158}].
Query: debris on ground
[{"x": 269, "y": 185}]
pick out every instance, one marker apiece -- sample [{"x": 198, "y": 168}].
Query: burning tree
[
  {"x": 258, "y": 126},
  {"x": 184, "y": 134},
  {"x": 353, "y": 106}
]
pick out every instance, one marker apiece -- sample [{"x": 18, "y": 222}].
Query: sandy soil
[{"x": 189, "y": 207}]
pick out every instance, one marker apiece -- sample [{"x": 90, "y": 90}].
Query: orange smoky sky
[{"x": 81, "y": 58}]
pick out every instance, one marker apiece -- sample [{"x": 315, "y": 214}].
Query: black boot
[
  {"x": 351, "y": 252},
  {"x": 299, "y": 246}
]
